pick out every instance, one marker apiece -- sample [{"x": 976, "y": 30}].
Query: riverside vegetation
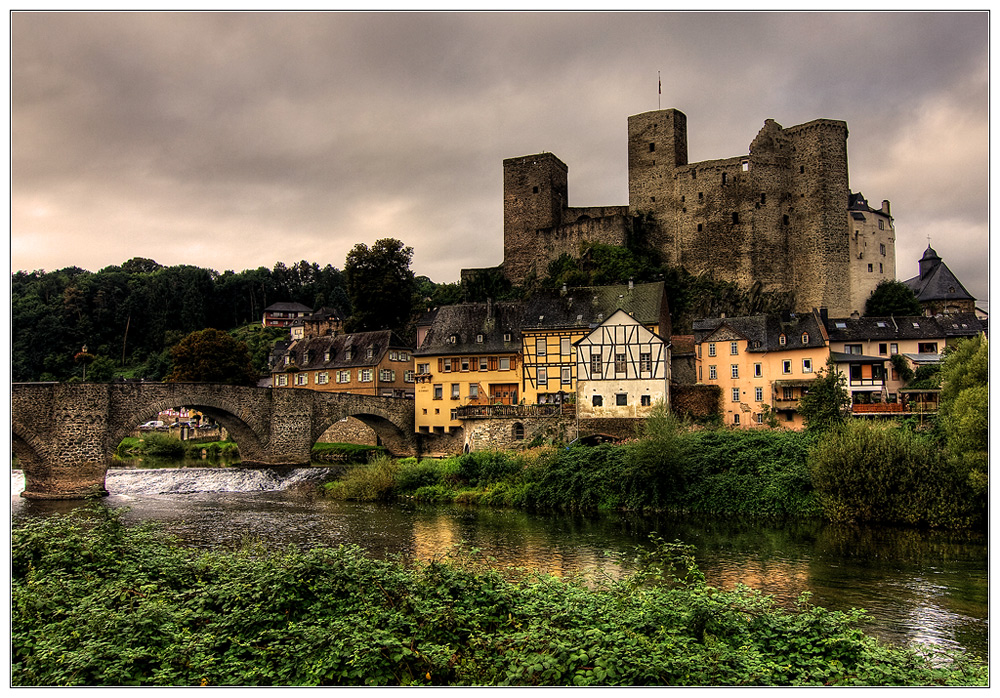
[{"x": 97, "y": 602}]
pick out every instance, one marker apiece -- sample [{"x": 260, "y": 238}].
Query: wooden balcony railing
[{"x": 515, "y": 411}]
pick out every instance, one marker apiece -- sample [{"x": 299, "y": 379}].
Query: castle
[{"x": 782, "y": 215}]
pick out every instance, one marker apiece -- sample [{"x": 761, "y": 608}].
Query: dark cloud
[{"x": 235, "y": 140}]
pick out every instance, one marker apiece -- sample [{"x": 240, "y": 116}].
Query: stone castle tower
[{"x": 777, "y": 215}]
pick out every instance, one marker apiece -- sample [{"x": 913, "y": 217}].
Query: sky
[{"x": 234, "y": 141}]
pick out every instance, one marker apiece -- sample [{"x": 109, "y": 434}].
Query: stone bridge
[{"x": 65, "y": 435}]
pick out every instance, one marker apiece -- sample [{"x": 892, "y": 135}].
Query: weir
[{"x": 65, "y": 436}]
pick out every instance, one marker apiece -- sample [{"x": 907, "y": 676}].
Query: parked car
[{"x": 155, "y": 424}]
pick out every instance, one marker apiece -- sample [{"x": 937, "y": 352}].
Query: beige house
[{"x": 622, "y": 369}]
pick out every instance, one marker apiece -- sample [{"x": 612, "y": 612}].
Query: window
[
  {"x": 871, "y": 267},
  {"x": 736, "y": 420},
  {"x": 543, "y": 377},
  {"x": 504, "y": 363},
  {"x": 455, "y": 391},
  {"x": 473, "y": 391},
  {"x": 620, "y": 366},
  {"x": 438, "y": 390},
  {"x": 404, "y": 356},
  {"x": 927, "y": 347},
  {"x": 348, "y": 354},
  {"x": 881, "y": 226},
  {"x": 883, "y": 349},
  {"x": 322, "y": 378},
  {"x": 759, "y": 417},
  {"x": 645, "y": 361},
  {"x": 734, "y": 371},
  {"x": 483, "y": 364},
  {"x": 711, "y": 349},
  {"x": 712, "y": 375},
  {"x": 782, "y": 339},
  {"x": 807, "y": 365},
  {"x": 288, "y": 359},
  {"x": 758, "y": 394},
  {"x": 736, "y": 218},
  {"x": 652, "y": 147},
  {"x": 447, "y": 365},
  {"x": 465, "y": 364},
  {"x": 700, "y": 227},
  {"x": 540, "y": 346},
  {"x": 745, "y": 165},
  {"x": 408, "y": 376},
  {"x": 852, "y": 348},
  {"x": 597, "y": 401},
  {"x": 595, "y": 365},
  {"x": 784, "y": 220},
  {"x": 564, "y": 346},
  {"x": 506, "y": 336},
  {"x": 393, "y": 356},
  {"x": 453, "y": 415},
  {"x": 518, "y": 431},
  {"x": 567, "y": 376},
  {"x": 880, "y": 269},
  {"x": 326, "y": 355},
  {"x": 479, "y": 339},
  {"x": 343, "y": 376},
  {"x": 423, "y": 368},
  {"x": 453, "y": 339},
  {"x": 699, "y": 374},
  {"x": 370, "y": 353},
  {"x": 805, "y": 338},
  {"x": 787, "y": 393},
  {"x": 893, "y": 348},
  {"x": 736, "y": 394},
  {"x": 734, "y": 348},
  {"x": 645, "y": 400},
  {"x": 724, "y": 177},
  {"x": 757, "y": 371},
  {"x": 763, "y": 198},
  {"x": 283, "y": 379},
  {"x": 366, "y": 375},
  {"x": 786, "y": 366},
  {"x": 881, "y": 247},
  {"x": 386, "y": 375},
  {"x": 301, "y": 379},
  {"x": 621, "y": 399}
]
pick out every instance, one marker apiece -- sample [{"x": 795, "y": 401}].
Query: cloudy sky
[{"x": 233, "y": 141}]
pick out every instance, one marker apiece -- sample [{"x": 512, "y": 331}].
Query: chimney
[
  {"x": 885, "y": 207},
  {"x": 631, "y": 284}
]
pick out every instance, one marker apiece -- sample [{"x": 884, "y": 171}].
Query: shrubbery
[{"x": 98, "y": 603}]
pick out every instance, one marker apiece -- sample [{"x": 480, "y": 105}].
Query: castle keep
[{"x": 782, "y": 215}]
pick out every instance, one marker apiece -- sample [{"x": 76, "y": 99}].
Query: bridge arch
[{"x": 247, "y": 437}]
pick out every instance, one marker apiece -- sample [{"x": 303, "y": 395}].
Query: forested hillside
[{"x": 130, "y": 315}]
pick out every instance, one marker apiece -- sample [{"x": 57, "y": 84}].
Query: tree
[
  {"x": 964, "y": 411},
  {"x": 827, "y": 402},
  {"x": 212, "y": 356},
  {"x": 892, "y": 297},
  {"x": 380, "y": 285}
]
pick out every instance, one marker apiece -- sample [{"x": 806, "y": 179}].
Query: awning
[{"x": 794, "y": 383}]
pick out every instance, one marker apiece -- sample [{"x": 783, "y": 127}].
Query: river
[{"x": 918, "y": 586}]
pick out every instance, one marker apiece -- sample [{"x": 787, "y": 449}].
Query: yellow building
[
  {"x": 555, "y": 320},
  {"x": 762, "y": 364},
  {"x": 468, "y": 356}
]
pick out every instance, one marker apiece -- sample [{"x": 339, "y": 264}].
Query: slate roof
[
  {"x": 309, "y": 353},
  {"x": 763, "y": 332},
  {"x": 589, "y": 306},
  {"x": 904, "y": 327},
  {"x": 936, "y": 282},
  {"x": 285, "y": 307},
  {"x": 465, "y": 321}
]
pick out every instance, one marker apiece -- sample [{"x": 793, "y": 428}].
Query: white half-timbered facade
[{"x": 623, "y": 369}]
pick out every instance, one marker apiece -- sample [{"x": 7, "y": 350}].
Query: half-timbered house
[{"x": 622, "y": 370}]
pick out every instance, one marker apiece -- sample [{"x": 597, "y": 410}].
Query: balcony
[{"x": 515, "y": 411}]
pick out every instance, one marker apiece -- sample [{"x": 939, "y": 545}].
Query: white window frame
[
  {"x": 735, "y": 395},
  {"x": 734, "y": 371},
  {"x": 712, "y": 373},
  {"x": 504, "y": 363},
  {"x": 302, "y": 378},
  {"x": 543, "y": 377},
  {"x": 322, "y": 378},
  {"x": 541, "y": 346},
  {"x": 786, "y": 366},
  {"x": 758, "y": 394},
  {"x": 366, "y": 375},
  {"x": 807, "y": 365},
  {"x": 734, "y": 348},
  {"x": 711, "y": 349}
]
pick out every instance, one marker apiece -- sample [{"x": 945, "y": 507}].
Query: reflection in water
[{"x": 917, "y": 585}]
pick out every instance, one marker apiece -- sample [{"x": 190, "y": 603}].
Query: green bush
[
  {"x": 96, "y": 603},
  {"x": 876, "y": 471},
  {"x": 162, "y": 446},
  {"x": 371, "y": 482}
]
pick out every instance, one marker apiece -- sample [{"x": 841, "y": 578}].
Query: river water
[{"x": 918, "y": 586}]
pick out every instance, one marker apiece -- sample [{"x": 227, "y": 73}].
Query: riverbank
[
  {"x": 863, "y": 472},
  {"x": 104, "y": 603}
]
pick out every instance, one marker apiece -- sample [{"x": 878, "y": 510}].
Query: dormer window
[
  {"x": 453, "y": 339},
  {"x": 370, "y": 353},
  {"x": 782, "y": 339},
  {"x": 805, "y": 338},
  {"x": 479, "y": 339},
  {"x": 506, "y": 337},
  {"x": 326, "y": 355},
  {"x": 349, "y": 354}
]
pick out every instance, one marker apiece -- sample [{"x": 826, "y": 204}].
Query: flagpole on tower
[{"x": 659, "y": 89}]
